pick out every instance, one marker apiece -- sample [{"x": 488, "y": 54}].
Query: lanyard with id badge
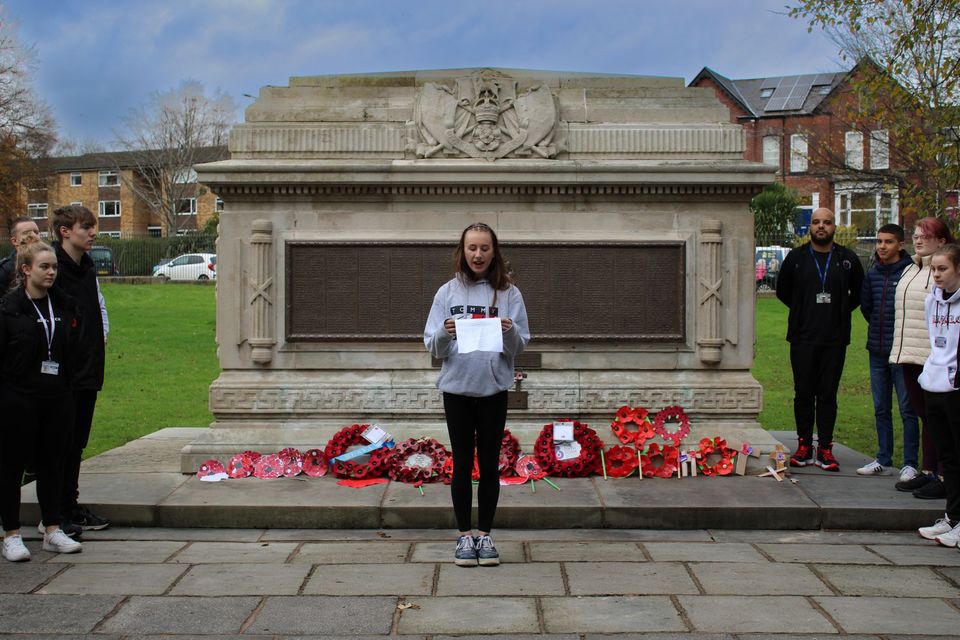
[
  {"x": 49, "y": 366},
  {"x": 823, "y": 297}
]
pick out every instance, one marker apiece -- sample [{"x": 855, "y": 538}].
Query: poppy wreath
[
  {"x": 292, "y": 461},
  {"x": 672, "y": 413},
  {"x": 724, "y": 466},
  {"x": 629, "y": 415},
  {"x": 588, "y": 462},
  {"x": 528, "y": 468},
  {"x": 668, "y": 457},
  {"x": 509, "y": 453},
  {"x": 418, "y": 460},
  {"x": 621, "y": 461},
  {"x": 344, "y": 439},
  {"x": 314, "y": 463},
  {"x": 241, "y": 465}
]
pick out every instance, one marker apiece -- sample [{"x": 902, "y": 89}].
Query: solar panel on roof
[
  {"x": 823, "y": 78},
  {"x": 776, "y": 104},
  {"x": 770, "y": 83},
  {"x": 784, "y": 88}
]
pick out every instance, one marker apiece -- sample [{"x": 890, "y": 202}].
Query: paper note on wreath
[{"x": 479, "y": 334}]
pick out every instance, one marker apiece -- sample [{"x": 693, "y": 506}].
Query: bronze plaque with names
[{"x": 607, "y": 291}]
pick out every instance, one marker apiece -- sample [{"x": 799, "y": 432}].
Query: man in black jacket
[
  {"x": 75, "y": 227},
  {"x": 21, "y": 229},
  {"x": 820, "y": 282}
]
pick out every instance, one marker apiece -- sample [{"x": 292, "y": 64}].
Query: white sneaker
[
  {"x": 939, "y": 527},
  {"x": 950, "y": 538},
  {"x": 59, "y": 542},
  {"x": 14, "y": 550},
  {"x": 871, "y": 469},
  {"x": 907, "y": 473}
]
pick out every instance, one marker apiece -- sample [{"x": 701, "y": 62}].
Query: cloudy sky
[{"x": 97, "y": 59}]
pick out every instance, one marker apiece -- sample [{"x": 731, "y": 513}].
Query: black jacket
[
  {"x": 798, "y": 285},
  {"x": 8, "y": 269},
  {"x": 23, "y": 344},
  {"x": 80, "y": 282}
]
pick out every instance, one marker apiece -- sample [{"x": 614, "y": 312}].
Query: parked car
[
  {"x": 103, "y": 259},
  {"x": 189, "y": 266}
]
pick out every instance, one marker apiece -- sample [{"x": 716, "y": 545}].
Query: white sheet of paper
[{"x": 479, "y": 334}]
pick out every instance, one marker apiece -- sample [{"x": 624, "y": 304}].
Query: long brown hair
[{"x": 498, "y": 274}]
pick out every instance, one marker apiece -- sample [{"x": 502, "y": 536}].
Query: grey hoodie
[{"x": 479, "y": 373}]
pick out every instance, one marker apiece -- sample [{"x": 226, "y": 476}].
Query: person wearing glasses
[
  {"x": 820, "y": 283},
  {"x": 474, "y": 382},
  {"x": 911, "y": 347}
]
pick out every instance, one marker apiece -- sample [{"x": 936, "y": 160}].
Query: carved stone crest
[{"x": 483, "y": 117}]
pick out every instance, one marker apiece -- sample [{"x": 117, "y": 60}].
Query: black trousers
[
  {"x": 84, "y": 403},
  {"x": 35, "y": 432},
  {"x": 943, "y": 420},
  {"x": 480, "y": 420},
  {"x": 816, "y": 379}
]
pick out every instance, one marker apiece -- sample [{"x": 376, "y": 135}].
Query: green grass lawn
[{"x": 162, "y": 358}]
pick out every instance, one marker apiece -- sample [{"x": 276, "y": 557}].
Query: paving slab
[
  {"x": 167, "y": 533},
  {"x": 861, "y": 502},
  {"x": 703, "y": 551},
  {"x": 510, "y": 552},
  {"x": 819, "y": 537},
  {"x": 284, "y": 502},
  {"x": 538, "y": 579},
  {"x": 610, "y": 614},
  {"x": 822, "y": 553},
  {"x": 902, "y": 582},
  {"x": 951, "y": 573},
  {"x": 404, "y": 507},
  {"x": 324, "y": 615},
  {"x": 928, "y": 554},
  {"x": 132, "y": 552},
  {"x": 707, "y": 503},
  {"x": 755, "y": 579},
  {"x": 24, "y": 577},
  {"x": 892, "y": 615},
  {"x": 351, "y": 552},
  {"x": 754, "y": 614},
  {"x": 56, "y": 614},
  {"x": 409, "y": 579},
  {"x": 180, "y": 615},
  {"x": 228, "y": 552},
  {"x": 584, "y": 551},
  {"x": 577, "y": 505},
  {"x": 458, "y": 615},
  {"x": 242, "y": 580},
  {"x": 628, "y": 578},
  {"x": 115, "y": 579}
]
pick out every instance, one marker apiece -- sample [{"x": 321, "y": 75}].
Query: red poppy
[
  {"x": 418, "y": 460},
  {"x": 268, "y": 466},
  {"x": 621, "y": 461},
  {"x": 210, "y": 468},
  {"x": 672, "y": 413},
  {"x": 585, "y": 463},
  {"x": 659, "y": 462},
  {"x": 314, "y": 463},
  {"x": 528, "y": 467}
]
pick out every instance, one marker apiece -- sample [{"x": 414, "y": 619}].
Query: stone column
[
  {"x": 710, "y": 343},
  {"x": 262, "y": 338}
]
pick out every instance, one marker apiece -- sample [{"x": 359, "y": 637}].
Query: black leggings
[
  {"x": 482, "y": 419},
  {"x": 35, "y": 430}
]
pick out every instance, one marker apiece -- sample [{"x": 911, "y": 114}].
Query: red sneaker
[
  {"x": 803, "y": 456},
  {"x": 825, "y": 459}
]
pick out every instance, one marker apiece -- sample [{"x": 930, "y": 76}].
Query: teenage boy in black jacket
[
  {"x": 820, "y": 282},
  {"x": 75, "y": 228}
]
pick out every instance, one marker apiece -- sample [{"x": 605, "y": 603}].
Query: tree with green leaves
[
  {"x": 774, "y": 213},
  {"x": 905, "y": 97}
]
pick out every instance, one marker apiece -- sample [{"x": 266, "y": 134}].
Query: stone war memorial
[{"x": 621, "y": 203}]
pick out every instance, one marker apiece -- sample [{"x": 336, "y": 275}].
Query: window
[
  {"x": 185, "y": 176},
  {"x": 76, "y": 179},
  {"x": 109, "y": 208},
  {"x": 879, "y": 149},
  {"x": 824, "y": 90},
  {"x": 771, "y": 150},
  {"x": 766, "y": 93},
  {"x": 108, "y": 179},
  {"x": 154, "y": 231},
  {"x": 187, "y": 206},
  {"x": 77, "y": 203},
  {"x": 853, "y": 148},
  {"x": 38, "y": 210},
  {"x": 109, "y": 234},
  {"x": 798, "y": 153},
  {"x": 865, "y": 208}
]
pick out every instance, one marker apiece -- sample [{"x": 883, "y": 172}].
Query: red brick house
[{"x": 801, "y": 125}]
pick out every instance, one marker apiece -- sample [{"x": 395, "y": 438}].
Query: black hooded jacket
[{"x": 80, "y": 282}]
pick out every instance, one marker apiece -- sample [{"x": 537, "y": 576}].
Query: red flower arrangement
[
  {"x": 269, "y": 466},
  {"x": 241, "y": 465},
  {"x": 418, "y": 460},
  {"x": 629, "y": 415},
  {"x": 509, "y": 452},
  {"x": 672, "y": 413},
  {"x": 668, "y": 458},
  {"x": 588, "y": 462},
  {"x": 528, "y": 468},
  {"x": 722, "y": 467},
  {"x": 314, "y": 463},
  {"x": 292, "y": 462},
  {"x": 347, "y": 437},
  {"x": 621, "y": 461}
]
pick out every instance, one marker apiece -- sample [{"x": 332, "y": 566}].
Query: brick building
[
  {"x": 800, "y": 124},
  {"x": 99, "y": 181}
]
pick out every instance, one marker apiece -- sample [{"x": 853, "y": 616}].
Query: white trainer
[
  {"x": 59, "y": 542},
  {"x": 14, "y": 550},
  {"x": 871, "y": 469},
  {"x": 950, "y": 538},
  {"x": 939, "y": 527},
  {"x": 908, "y": 473}
]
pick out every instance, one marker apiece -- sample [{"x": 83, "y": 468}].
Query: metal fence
[
  {"x": 770, "y": 251},
  {"x": 138, "y": 256}
]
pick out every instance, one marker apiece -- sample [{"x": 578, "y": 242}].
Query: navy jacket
[{"x": 877, "y": 302}]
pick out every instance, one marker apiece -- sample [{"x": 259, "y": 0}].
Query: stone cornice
[{"x": 360, "y": 190}]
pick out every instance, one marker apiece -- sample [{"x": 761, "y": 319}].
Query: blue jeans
[{"x": 884, "y": 379}]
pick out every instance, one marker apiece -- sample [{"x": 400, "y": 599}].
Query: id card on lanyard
[
  {"x": 49, "y": 366},
  {"x": 823, "y": 297}
]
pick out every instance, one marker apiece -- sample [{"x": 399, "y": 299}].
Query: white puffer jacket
[{"x": 911, "y": 342}]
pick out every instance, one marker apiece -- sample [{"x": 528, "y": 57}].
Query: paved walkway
[{"x": 285, "y": 583}]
